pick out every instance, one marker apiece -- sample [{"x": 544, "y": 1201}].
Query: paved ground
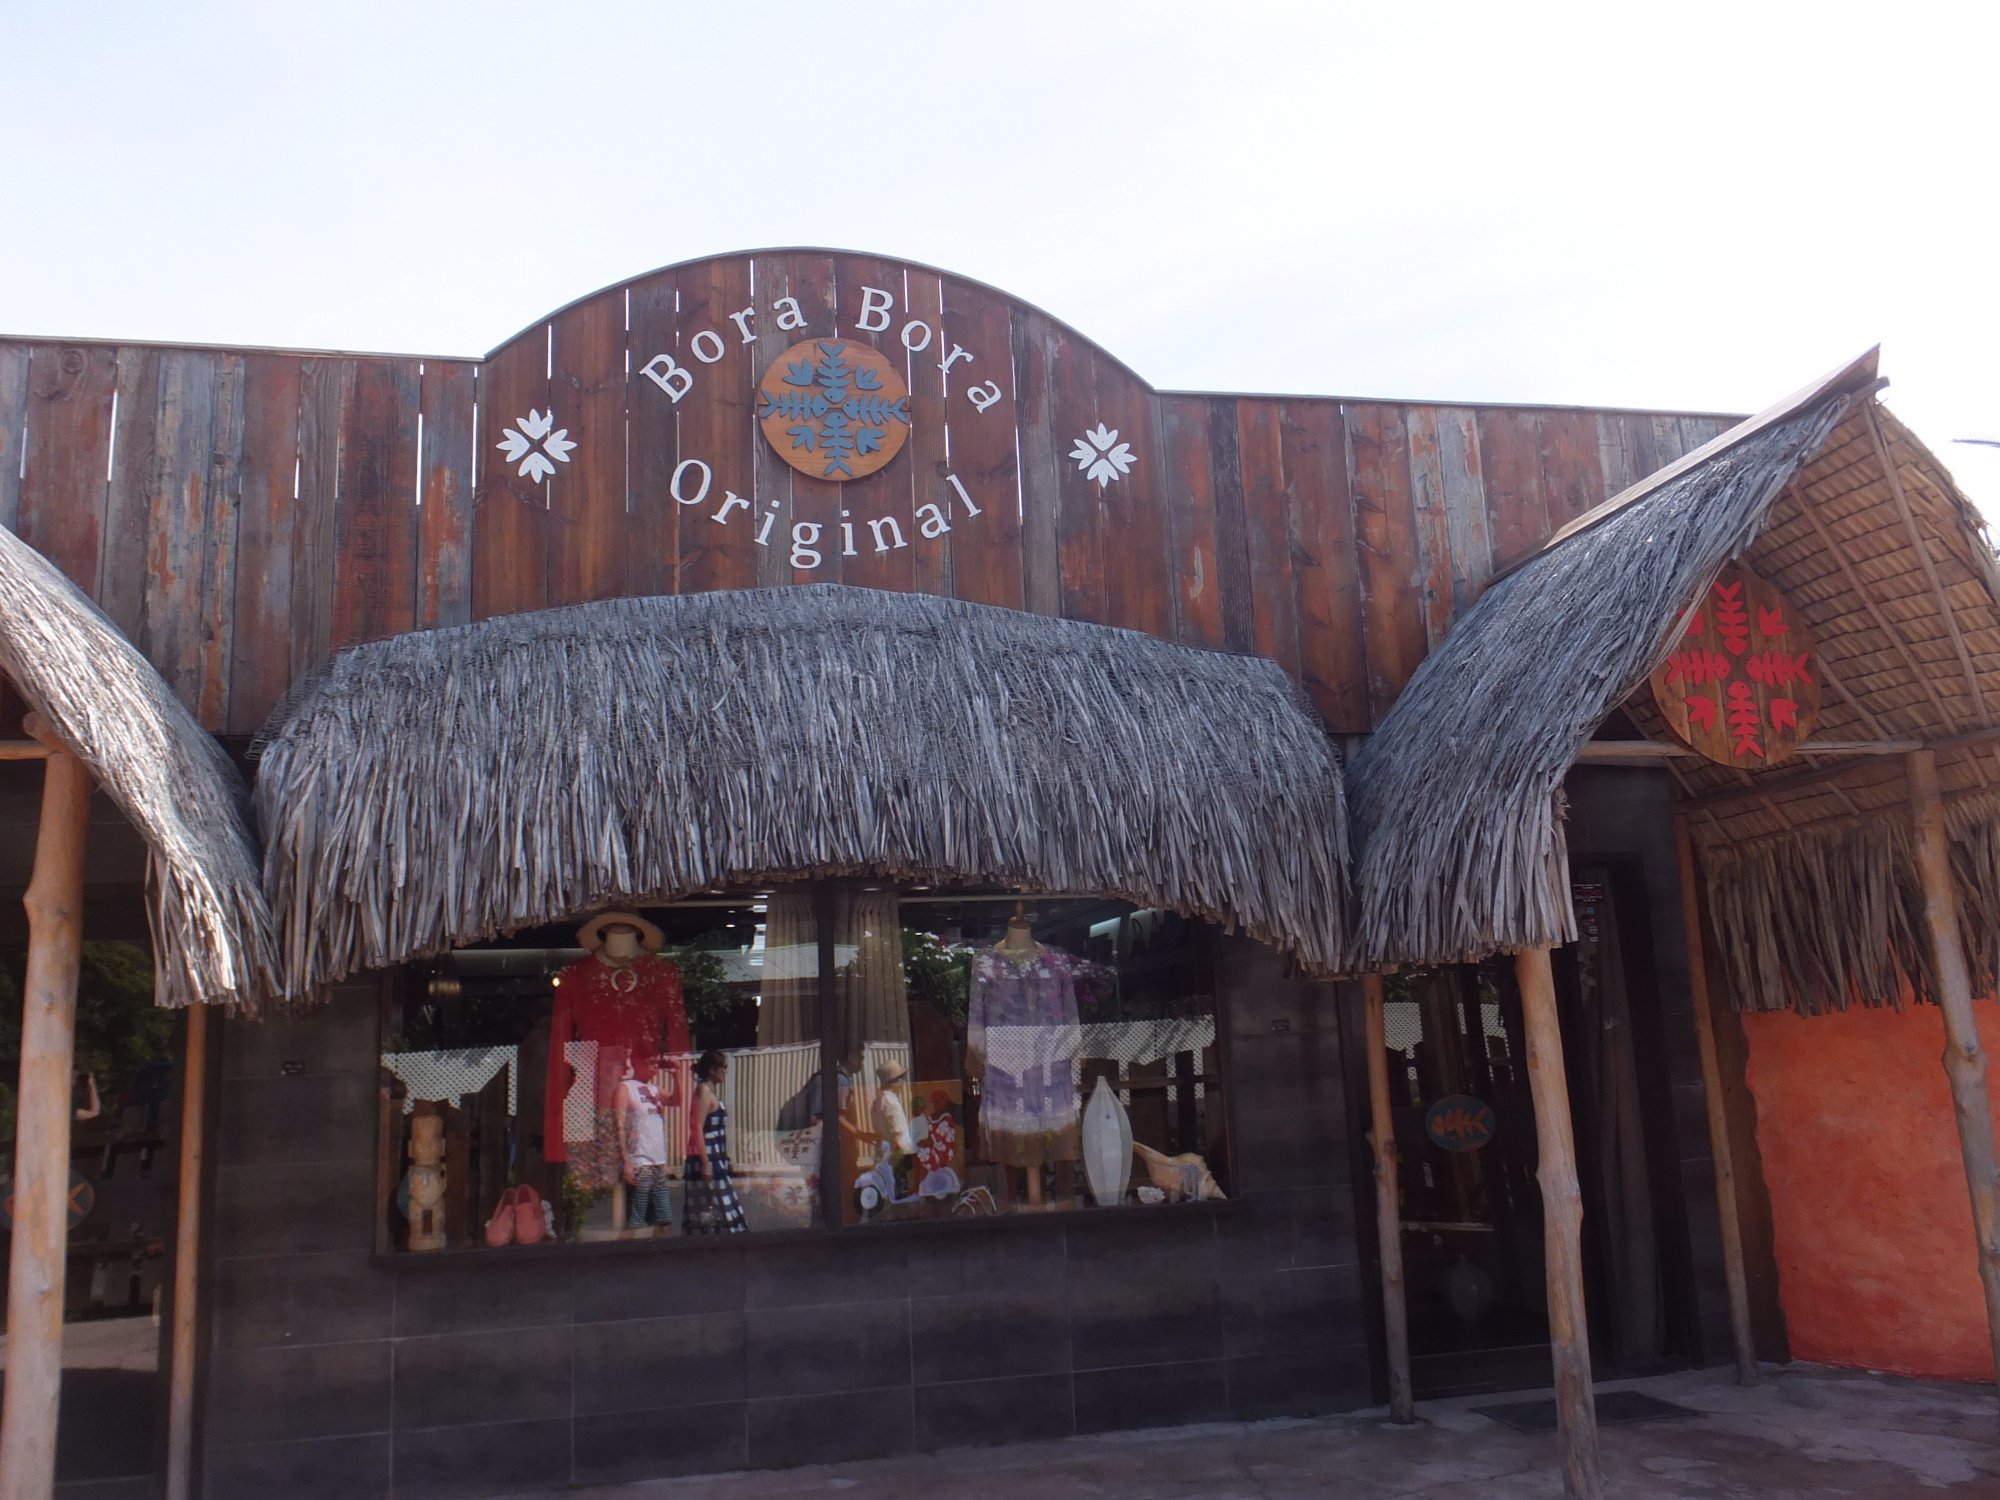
[{"x": 1805, "y": 1432}]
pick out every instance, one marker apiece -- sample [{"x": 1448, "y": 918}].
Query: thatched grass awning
[
  {"x": 104, "y": 701},
  {"x": 445, "y": 786},
  {"x": 1457, "y": 797},
  {"x": 1808, "y": 867}
]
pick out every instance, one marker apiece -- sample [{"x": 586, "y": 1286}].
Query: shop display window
[
  {"x": 1004, "y": 1054},
  {"x": 666, "y": 1071}
]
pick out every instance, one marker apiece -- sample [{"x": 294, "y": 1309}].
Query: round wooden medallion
[
  {"x": 834, "y": 408},
  {"x": 1740, "y": 685}
]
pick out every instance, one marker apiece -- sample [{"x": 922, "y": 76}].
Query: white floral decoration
[
  {"x": 1101, "y": 456},
  {"x": 534, "y": 447}
]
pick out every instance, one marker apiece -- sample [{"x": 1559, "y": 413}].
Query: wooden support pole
[
  {"x": 54, "y": 902},
  {"x": 187, "y": 1262},
  {"x": 1388, "y": 1206},
  {"x": 1562, "y": 1223},
  {"x": 1964, "y": 1058},
  {"x": 1718, "y": 1119}
]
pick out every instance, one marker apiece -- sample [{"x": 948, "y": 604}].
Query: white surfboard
[{"x": 1107, "y": 1145}]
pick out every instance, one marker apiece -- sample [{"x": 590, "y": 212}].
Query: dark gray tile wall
[{"x": 332, "y": 1373}]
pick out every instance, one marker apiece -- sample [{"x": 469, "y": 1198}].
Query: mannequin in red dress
[{"x": 626, "y": 999}]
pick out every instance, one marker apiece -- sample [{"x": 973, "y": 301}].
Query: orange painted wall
[{"x": 1876, "y": 1266}]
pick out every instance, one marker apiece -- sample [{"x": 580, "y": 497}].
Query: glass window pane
[
  {"x": 643, "y": 1074},
  {"x": 1004, "y": 1054}
]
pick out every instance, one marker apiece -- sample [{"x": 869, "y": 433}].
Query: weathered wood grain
[
  {"x": 587, "y": 534},
  {"x": 375, "y": 510},
  {"x": 1572, "y": 469},
  {"x": 176, "y": 534},
  {"x": 128, "y": 496},
  {"x": 70, "y": 393},
  {"x": 1008, "y": 553},
  {"x": 931, "y": 570},
  {"x": 219, "y": 554},
  {"x": 323, "y": 384},
  {"x": 510, "y": 520},
  {"x": 14, "y": 360},
  {"x": 1232, "y": 532},
  {"x": 1517, "y": 507},
  {"x": 1326, "y": 575},
  {"x": 1134, "y": 533},
  {"x": 1081, "y": 522},
  {"x": 872, "y": 514},
  {"x": 1464, "y": 482},
  {"x": 1435, "y": 572},
  {"x": 718, "y": 428},
  {"x": 1041, "y": 504},
  {"x": 445, "y": 464},
  {"x": 1386, "y": 543},
  {"x": 771, "y": 476},
  {"x": 653, "y": 560},
  {"x": 1188, "y": 497},
  {"x": 1268, "y": 526},
  {"x": 259, "y": 666}
]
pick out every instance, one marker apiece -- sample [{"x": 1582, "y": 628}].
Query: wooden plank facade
[{"x": 243, "y": 513}]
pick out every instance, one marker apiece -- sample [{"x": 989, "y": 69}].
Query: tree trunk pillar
[
  {"x": 1964, "y": 1058},
  {"x": 1388, "y": 1206},
  {"x": 1562, "y": 1221},
  {"x": 54, "y": 902},
  {"x": 1718, "y": 1120},
  {"x": 187, "y": 1258}
]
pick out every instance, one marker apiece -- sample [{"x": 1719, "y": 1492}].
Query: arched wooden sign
[{"x": 1740, "y": 685}]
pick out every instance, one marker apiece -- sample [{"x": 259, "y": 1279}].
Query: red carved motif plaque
[{"x": 1740, "y": 685}]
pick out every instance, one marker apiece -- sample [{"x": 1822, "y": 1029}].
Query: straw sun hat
[{"x": 591, "y": 934}]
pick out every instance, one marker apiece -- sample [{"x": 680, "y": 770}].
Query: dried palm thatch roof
[
  {"x": 444, "y": 786},
  {"x": 211, "y": 927},
  {"x": 1807, "y": 866},
  {"x": 1457, "y": 797}
]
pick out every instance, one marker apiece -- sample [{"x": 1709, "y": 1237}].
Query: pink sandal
[
  {"x": 500, "y": 1228},
  {"x": 529, "y": 1226}
]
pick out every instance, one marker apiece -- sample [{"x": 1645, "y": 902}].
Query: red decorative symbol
[
  {"x": 1740, "y": 692},
  {"x": 1730, "y": 621}
]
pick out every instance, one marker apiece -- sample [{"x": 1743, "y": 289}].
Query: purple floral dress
[{"x": 1023, "y": 1035}]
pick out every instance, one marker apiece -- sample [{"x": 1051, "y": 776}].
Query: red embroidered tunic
[{"x": 631, "y": 1011}]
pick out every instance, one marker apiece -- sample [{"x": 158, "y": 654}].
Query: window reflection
[
  {"x": 646, "y": 1073},
  {"x": 659, "y": 1072},
  {"x": 1003, "y": 1054}
]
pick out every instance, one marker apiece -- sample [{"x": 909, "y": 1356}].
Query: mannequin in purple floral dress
[{"x": 1022, "y": 1039}]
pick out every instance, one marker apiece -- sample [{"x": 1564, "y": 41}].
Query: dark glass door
[
  {"x": 1465, "y": 1131},
  {"x": 1472, "y": 1214}
]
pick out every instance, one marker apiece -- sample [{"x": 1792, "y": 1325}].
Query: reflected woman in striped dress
[{"x": 712, "y": 1206}]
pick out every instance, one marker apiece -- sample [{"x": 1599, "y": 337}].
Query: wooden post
[
  {"x": 1964, "y": 1058},
  {"x": 1718, "y": 1119},
  {"x": 54, "y": 902},
  {"x": 1388, "y": 1206},
  {"x": 187, "y": 1264},
  {"x": 1562, "y": 1224}
]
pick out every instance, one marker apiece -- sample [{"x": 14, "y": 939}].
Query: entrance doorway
[{"x": 1465, "y": 1133}]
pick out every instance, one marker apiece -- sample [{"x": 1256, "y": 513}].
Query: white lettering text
[
  {"x": 875, "y": 304},
  {"x": 668, "y": 376}
]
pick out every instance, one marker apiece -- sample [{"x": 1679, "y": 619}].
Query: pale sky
[{"x": 1676, "y": 206}]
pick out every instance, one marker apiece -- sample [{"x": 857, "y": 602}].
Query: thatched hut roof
[
  {"x": 444, "y": 786},
  {"x": 173, "y": 783},
  {"x": 1457, "y": 797},
  {"x": 1806, "y": 867}
]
